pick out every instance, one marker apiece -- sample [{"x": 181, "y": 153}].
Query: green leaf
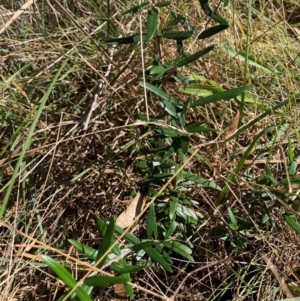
[
  {"x": 173, "y": 204},
  {"x": 290, "y": 220},
  {"x": 91, "y": 253},
  {"x": 121, "y": 269},
  {"x": 206, "y": 8},
  {"x": 199, "y": 180},
  {"x": 193, "y": 57},
  {"x": 162, "y": 4},
  {"x": 177, "y": 18},
  {"x": 136, "y": 8},
  {"x": 185, "y": 143},
  {"x": 179, "y": 248},
  {"x": 233, "y": 222},
  {"x": 158, "y": 177},
  {"x": 66, "y": 277},
  {"x": 293, "y": 168},
  {"x": 212, "y": 31},
  {"x": 196, "y": 127},
  {"x": 219, "y": 19},
  {"x": 151, "y": 226},
  {"x": 170, "y": 104},
  {"x": 106, "y": 242},
  {"x": 159, "y": 69},
  {"x": 219, "y": 96},
  {"x": 171, "y": 228},
  {"x": 155, "y": 256},
  {"x": 126, "y": 40},
  {"x": 152, "y": 22},
  {"x": 101, "y": 226},
  {"x": 160, "y": 93},
  {"x": 173, "y": 133},
  {"x": 143, "y": 245},
  {"x": 290, "y": 150},
  {"x": 128, "y": 236},
  {"x": 104, "y": 280},
  {"x": 186, "y": 212},
  {"x": 177, "y": 35}
]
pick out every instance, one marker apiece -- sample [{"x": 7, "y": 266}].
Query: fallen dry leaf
[
  {"x": 233, "y": 125},
  {"x": 120, "y": 293},
  {"x": 125, "y": 219}
]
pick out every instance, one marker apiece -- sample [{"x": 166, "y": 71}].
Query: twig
[
  {"x": 195, "y": 271},
  {"x": 274, "y": 270}
]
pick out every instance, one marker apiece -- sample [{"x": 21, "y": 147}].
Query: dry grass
[{"x": 68, "y": 175}]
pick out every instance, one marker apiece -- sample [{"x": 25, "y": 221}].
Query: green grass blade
[
  {"x": 28, "y": 140},
  {"x": 219, "y": 96}
]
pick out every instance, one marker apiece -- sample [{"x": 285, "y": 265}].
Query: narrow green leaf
[
  {"x": 128, "y": 236},
  {"x": 193, "y": 178},
  {"x": 185, "y": 143},
  {"x": 169, "y": 132},
  {"x": 193, "y": 57},
  {"x": 66, "y": 277},
  {"x": 106, "y": 242},
  {"x": 290, "y": 220},
  {"x": 206, "y": 8},
  {"x": 121, "y": 269},
  {"x": 91, "y": 253},
  {"x": 126, "y": 40},
  {"x": 293, "y": 168},
  {"x": 177, "y": 19},
  {"x": 101, "y": 226},
  {"x": 177, "y": 35},
  {"x": 152, "y": 253},
  {"x": 155, "y": 256},
  {"x": 233, "y": 222},
  {"x": 160, "y": 93},
  {"x": 171, "y": 228},
  {"x": 128, "y": 289},
  {"x": 290, "y": 150},
  {"x": 196, "y": 127},
  {"x": 212, "y": 31},
  {"x": 143, "y": 245},
  {"x": 170, "y": 104},
  {"x": 136, "y": 8},
  {"x": 219, "y": 96},
  {"x": 151, "y": 226},
  {"x": 159, "y": 69},
  {"x": 218, "y": 19},
  {"x": 226, "y": 2},
  {"x": 162, "y": 4},
  {"x": 173, "y": 204},
  {"x": 186, "y": 212},
  {"x": 179, "y": 248},
  {"x": 104, "y": 280},
  {"x": 152, "y": 22}
]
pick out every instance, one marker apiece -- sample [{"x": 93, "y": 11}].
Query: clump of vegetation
[{"x": 150, "y": 150}]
